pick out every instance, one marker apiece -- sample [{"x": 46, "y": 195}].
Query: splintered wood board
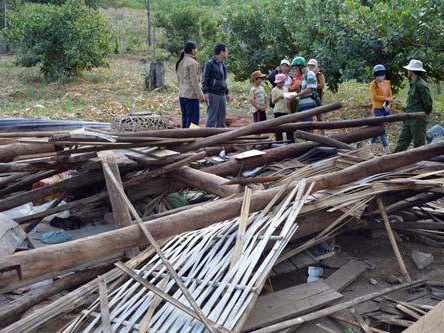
[
  {"x": 248, "y": 154},
  {"x": 432, "y": 322},
  {"x": 289, "y": 303},
  {"x": 346, "y": 275},
  {"x": 162, "y": 153}
]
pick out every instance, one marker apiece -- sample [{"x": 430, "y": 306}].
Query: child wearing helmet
[{"x": 382, "y": 97}]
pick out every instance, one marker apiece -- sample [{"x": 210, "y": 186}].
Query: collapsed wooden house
[{"x": 202, "y": 267}]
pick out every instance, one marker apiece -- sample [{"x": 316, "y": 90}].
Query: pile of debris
[{"x": 186, "y": 230}]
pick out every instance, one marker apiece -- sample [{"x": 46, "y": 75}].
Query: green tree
[
  {"x": 189, "y": 23},
  {"x": 347, "y": 37},
  {"x": 64, "y": 40}
]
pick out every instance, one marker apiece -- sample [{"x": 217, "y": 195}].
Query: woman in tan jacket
[{"x": 188, "y": 75}]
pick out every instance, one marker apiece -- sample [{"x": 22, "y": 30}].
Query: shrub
[{"x": 64, "y": 40}]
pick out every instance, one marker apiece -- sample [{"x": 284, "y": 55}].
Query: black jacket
[{"x": 214, "y": 80}]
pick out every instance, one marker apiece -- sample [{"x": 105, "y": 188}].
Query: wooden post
[
  {"x": 392, "y": 240},
  {"x": 122, "y": 217},
  {"x": 156, "y": 76}
]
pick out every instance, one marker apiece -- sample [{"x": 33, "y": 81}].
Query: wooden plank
[
  {"x": 289, "y": 303},
  {"x": 346, "y": 275},
  {"x": 334, "y": 308},
  {"x": 104, "y": 307},
  {"x": 11, "y": 236},
  {"x": 432, "y": 322}
]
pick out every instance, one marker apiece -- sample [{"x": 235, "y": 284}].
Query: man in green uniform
[{"x": 419, "y": 100}]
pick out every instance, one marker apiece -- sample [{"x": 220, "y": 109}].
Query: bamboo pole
[{"x": 393, "y": 240}]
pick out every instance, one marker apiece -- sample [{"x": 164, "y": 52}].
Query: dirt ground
[{"x": 360, "y": 245}]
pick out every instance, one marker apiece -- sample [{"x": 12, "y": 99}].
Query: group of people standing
[
  {"x": 418, "y": 100},
  {"x": 297, "y": 86}
]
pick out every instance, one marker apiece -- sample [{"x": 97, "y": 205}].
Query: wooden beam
[
  {"x": 10, "y": 151},
  {"x": 204, "y": 181},
  {"x": 121, "y": 214},
  {"x": 234, "y": 167},
  {"x": 307, "y": 125},
  {"x": 257, "y": 127},
  {"x": 323, "y": 140}
]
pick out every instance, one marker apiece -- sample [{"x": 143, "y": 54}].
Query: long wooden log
[
  {"x": 309, "y": 125},
  {"x": 204, "y": 181},
  {"x": 151, "y": 187},
  {"x": 323, "y": 140},
  {"x": 6, "y": 180},
  {"x": 11, "y": 311},
  {"x": 234, "y": 167},
  {"x": 227, "y": 168},
  {"x": 257, "y": 127},
  {"x": 27, "y": 182},
  {"x": 64, "y": 185},
  {"x": 13, "y": 150},
  {"x": 60, "y": 257}
]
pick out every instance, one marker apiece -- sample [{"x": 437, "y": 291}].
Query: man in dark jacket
[{"x": 214, "y": 86}]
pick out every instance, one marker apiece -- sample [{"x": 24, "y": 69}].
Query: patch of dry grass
[
  {"x": 104, "y": 93},
  {"x": 100, "y": 94}
]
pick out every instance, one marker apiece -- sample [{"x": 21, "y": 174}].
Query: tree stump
[{"x": 156, "y": 78}]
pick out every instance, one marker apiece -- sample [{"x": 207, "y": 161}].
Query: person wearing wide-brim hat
[{"x": 418, "y": 100}]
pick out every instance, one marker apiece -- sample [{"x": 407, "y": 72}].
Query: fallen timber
[
  {"x": 223, "y": 169},
  {"x": 234, "y": 167},
  {"x": 309, "y": 125},
  {"x": 257, "y": 127},
  {"x": 60, "y": 257},
  {"x": 10, "y": 151}
]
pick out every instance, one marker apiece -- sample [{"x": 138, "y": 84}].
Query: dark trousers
[
  {"x": 259, "y": 116},
  {"x": 190, "y": 111},
  {"x": 409, "y": 133},
  {"x": 382, "y": 137},
  {"x": 290, "y": 134},
  {"x": 216, "y": 111}
]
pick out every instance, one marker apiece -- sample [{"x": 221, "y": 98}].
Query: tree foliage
[
  {"x": 347, "y": 37},
  {"x": 189, "y": 23},
  {"x": 64, "y": 40}
]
